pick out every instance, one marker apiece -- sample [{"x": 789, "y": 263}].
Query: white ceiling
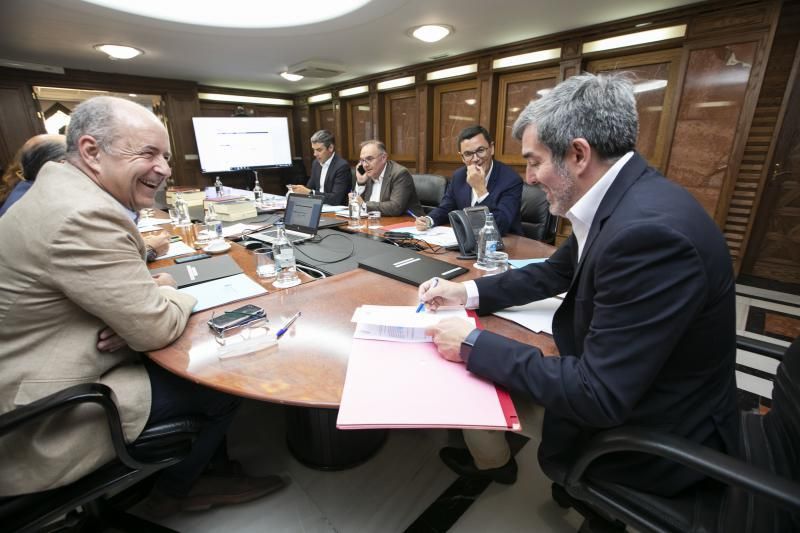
[{"x": 373, "y": 39}]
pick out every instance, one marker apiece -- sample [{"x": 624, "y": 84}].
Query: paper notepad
[{"x": 222, "y": 291}]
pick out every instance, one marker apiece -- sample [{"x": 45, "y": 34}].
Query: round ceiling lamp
[
  {"x": 431, "y": 33},
  {"x": 237, "y": 13},
  {"x": 118, "y": 51}
]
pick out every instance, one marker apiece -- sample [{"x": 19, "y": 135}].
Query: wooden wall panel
[
  {"x": 401, "y": 125},
  {"x": 713, "y": 96},
  {"x": 455, "y": 107},
  {"x": 19, "y": 119},
  {"x": 359, "y": 125},
  {"x": 515, "y": 92}
]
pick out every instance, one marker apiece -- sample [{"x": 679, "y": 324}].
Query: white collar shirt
[{"x": 581, "y": 215}]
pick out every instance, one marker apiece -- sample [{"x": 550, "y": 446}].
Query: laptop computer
[
  {"x": 301, "y": 219},
  {"x": 188, "y": 274},
  {"x": 411, "y": 267}
]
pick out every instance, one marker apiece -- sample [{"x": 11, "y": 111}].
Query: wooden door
[{"x": 773, "y": 250}]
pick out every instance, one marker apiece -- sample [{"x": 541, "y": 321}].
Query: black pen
[{"x": 286, "y": 325}]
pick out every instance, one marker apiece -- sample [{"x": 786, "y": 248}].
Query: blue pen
[
  {"x": 410, "y": 213},
  {"x": 286, "y": 325},
  {"x": 421, "y": 305}
]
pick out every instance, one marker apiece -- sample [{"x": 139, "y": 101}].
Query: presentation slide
[{"x": 235, "y": 143}]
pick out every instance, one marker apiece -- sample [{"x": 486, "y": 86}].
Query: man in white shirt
[
  {"x": 330, "y": 174},
  {"x": 384, "y": 185},
  {"x": 646, "y": 331}
]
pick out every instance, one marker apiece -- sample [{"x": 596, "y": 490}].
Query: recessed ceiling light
[
  {"x": 431, "y": 33},
  {"x": 291, "y": 77},
  {"x": 238, "y": 13},
  {"x": 133, "y": 95},
  {"x": 118, "y": 51}
]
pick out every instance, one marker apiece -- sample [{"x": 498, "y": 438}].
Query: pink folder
[{"x": 409, "y": 385}]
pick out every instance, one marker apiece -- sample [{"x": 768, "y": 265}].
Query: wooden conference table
[{"x": 308, "y": 367}]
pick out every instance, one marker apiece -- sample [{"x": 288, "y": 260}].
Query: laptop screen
[{"x": 303, "y": 212}]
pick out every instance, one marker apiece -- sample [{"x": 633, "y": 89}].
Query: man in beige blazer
[
  {"x": 385, "y": 185},
  {"x": 77, "y": 303}
]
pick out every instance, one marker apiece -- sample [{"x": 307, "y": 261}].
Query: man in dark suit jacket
[
  {"x": 384, "y": 185},
  {"x": 481, "y": 181},
  {"x": 646, "y": 331},
  {"x": 330, "y": 174}
]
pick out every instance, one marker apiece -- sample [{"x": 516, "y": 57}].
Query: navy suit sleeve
[
  {"x": 650, "y": 284},
  {"x": 448, "y": 203},
  {"x": 340, "y": 185},
  {"x": 504, "y": 200},
  {"x": 533, "y": 282}
]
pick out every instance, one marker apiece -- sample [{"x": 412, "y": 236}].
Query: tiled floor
[{"x": 387, "y": 493}]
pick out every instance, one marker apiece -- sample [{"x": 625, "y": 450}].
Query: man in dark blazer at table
[
  {"x": 646, "y": 331},
  {"x": 384, "y": 185},
  {"x": 481, "y": 181},
  {"x": 330, "y": 174}
]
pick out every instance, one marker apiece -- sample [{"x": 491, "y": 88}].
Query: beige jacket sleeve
[{"x": 97, "y": 259}]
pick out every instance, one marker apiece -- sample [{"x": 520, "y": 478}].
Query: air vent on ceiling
[{"x": 316, "y": 69}]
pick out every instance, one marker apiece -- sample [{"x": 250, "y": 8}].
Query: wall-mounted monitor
[{"x": 235, "y": 143}]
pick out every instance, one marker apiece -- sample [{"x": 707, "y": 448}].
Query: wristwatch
[{"x": 468, "y": 343}]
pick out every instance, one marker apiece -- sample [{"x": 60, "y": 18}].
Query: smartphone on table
[{"x": 236, "y": 317}]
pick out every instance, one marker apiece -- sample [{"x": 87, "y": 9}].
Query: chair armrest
[
  {"x": 717, "y": 465},
  {"x": 760, "y": 347},
  {"x": 95, "y": 393}
]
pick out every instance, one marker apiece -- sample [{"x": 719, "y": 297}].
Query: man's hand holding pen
[{"x": 436, "y": 293}]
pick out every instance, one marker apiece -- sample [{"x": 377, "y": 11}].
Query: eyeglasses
[
  {"x": 369, "y": 159},
  {"x": 480, "y": 152}
]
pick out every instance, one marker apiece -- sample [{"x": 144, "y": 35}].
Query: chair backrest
[
  {"x": 537, "y": 222},
  {"x": 771, "y": 442},
  {"x": 430, "y": 189}
]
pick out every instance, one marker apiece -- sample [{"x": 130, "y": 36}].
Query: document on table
[
  {"x": 222, "y": 291},
  {"x": 535, "y": 316},
  {"x": 238, "y": 229},
  {"x": 398, "y": 323},
  {"x": 176, "y": 249},
  {"x": 400, "y": 385},
  {"x": 151, "y": 224},
  {"x": 333, "y": 208},
  {"x": 439, "y": 235}
]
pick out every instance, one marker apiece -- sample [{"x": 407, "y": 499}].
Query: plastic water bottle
[
  {"x": 182, "y": 208},
  {"x": 213, "y": 222},
  {"x": 218, "y": 186},
  {"x": 354, "y": 212},
  {"x": 285, "y": 267},
  {"x": 488, "y": 241},
  {"x": 258, "y": 193}
]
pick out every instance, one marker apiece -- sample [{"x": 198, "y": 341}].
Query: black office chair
[
  {"x": 757, "y": 493},
  {"x": 84, "y": 504},
  {"x": 430, "y": 190},
  {"x": 537, "y": 222}
]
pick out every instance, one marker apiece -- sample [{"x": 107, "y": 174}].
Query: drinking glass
[
  {"x": 374, "y": 219},
  {"x": 496, "y": 263},
  {"x": 203, "y": 234},
  {"x": 265, "y": 266}
]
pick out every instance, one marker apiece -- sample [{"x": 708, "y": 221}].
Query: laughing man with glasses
[{"x": 481, "y": 181}]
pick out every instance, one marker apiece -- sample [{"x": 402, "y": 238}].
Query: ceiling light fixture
[
  {"x": 526, "y": 59},
  {"x": 118, "y": 51},
  {"x": 397, "y": 82},
  {"x": 452, "y": 72},
  {"x": 240, "y": 99},
  {"x": 633, "y": 39},
  {"x": 238, "y": 13},
  {"x": 352, "y": 91},
  {"x": 317, "y": 98},
  {"x": 431, "y": 33},
  {"x": 291, "y": 77}
]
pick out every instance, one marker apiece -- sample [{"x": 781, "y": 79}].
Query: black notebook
[
  {"x": 194, "y": 272},
  {"x": 409, "y": 266}
]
